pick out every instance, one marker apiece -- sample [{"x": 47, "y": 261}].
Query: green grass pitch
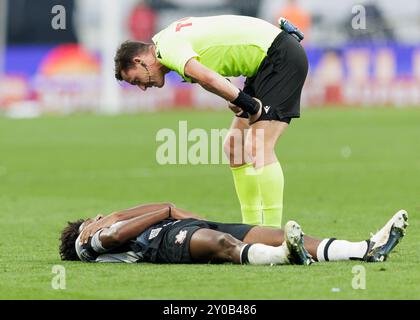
[{"x": 346, "y": 172}]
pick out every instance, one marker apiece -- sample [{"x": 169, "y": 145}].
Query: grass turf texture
[{"x": 54, "y": 170}]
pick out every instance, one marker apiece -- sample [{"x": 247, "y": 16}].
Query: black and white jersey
[
  {"x": 153, "y": 233},
  {"x": 136, "y": 250}
]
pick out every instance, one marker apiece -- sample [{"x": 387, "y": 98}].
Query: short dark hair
[
  {"x": 126, "y": 53},
  {"x": 68, "y": 240}
]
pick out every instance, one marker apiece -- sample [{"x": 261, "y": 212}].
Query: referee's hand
[
  {"x": 235, "y": 109},
  {"x": 255, "y": 117}
]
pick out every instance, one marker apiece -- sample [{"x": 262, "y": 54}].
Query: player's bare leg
[
  {"x": 210, "y": 245},
  {"x": 244, "y": 177}
]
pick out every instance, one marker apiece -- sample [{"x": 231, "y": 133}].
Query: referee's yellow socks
[
  {"x": 271, "y": 182},
  {"x": 248, "y": 191}
]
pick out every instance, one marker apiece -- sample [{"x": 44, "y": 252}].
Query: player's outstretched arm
[
  {"x": 140, "y": 210},
  {"x": 180, "y": 214},
  {"x": 122, "y": 215},
  {"x": 130, "y": 229}
]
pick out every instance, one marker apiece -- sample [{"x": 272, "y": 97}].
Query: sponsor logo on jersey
[
  {"x": 180, "y": 237},
  {"x": 154, "y": 233}
]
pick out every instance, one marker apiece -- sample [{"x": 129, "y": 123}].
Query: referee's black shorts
[
  {"x": 175, "y": 244},
  {"x": 279, "y": 80}
]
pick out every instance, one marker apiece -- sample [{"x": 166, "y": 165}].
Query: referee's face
[{"x": 144, "y": 74}]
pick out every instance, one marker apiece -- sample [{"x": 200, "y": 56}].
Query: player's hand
[
  {"x": 235, "y": 109},
  {"x": 88, "y": 231},
  {"x": 255, "y": 117}
]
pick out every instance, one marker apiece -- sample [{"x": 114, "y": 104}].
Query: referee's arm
[
  {"x": 215, "y": 83},
  {"x": 210, "y": 80}
]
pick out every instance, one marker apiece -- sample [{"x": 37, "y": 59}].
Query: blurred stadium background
[{"x": 43, "y": 70}]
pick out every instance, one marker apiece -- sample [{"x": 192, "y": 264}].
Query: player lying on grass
[{"x": 161, "y": 233}]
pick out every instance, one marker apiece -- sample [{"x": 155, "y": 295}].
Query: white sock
[
  {"x": 262, "y": 254},
  {"x": 336, "y": 250}
]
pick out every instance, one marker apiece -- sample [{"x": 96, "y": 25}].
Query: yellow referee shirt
[{"x": 229, "y": 45}]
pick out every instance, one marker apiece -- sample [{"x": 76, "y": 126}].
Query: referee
[{"x": 205, "y": 50}]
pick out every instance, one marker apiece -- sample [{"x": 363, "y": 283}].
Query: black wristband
[{"x": 247, "y": 103}]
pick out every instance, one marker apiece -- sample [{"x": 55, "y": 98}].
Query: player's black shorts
[
  {"x": 175, "y": 243},
  {"x": 279, "y": 80}
]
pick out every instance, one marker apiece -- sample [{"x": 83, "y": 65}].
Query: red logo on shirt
[{"x": 181, "y": 25}]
